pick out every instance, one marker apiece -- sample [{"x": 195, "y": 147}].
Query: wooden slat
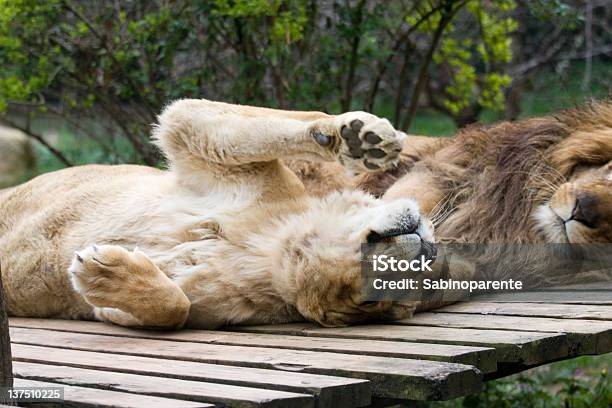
[
  {"x": 560, "y": 311},
  {"x": 219, "y": 394},
  {"x": 328, "y": 391},
  {"x": 585, "y": 336},
  {"x": 390, "y": 377},
  {"x": 552, "y": 297},
  {"x": 516, "y": 347},
  {"x": 93, "y": 397},
  {"x": 480, "y": 357},
  {"x": 601, "y": 285}
]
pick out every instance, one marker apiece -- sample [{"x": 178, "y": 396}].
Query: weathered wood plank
[
  {"x": 390, "y": 377},
  {"x": 524, "y": 348},
  {"x": 328, "y": 391},
  {"x": 556, "y": 297},
  {"x": 6, "y": 375},
  {"x": 480, "y": 357},
  {"x": 603, "y": 284},
  {"x": 585, "y": 336},
  {"x": 93, "y": 397},
  {"x": 560, "y": 311},
  {"x": 199, "y": 391}
]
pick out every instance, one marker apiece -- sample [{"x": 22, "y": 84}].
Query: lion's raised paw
[{"x": 369, "y": 143}]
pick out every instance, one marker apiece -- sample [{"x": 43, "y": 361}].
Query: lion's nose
[{"x": 585, "y": 209}]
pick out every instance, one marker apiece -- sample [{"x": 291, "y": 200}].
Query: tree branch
[
  {"x": 135, "y": 88},
  {"x": 447, "y": 16},
  {"x": 381, "y": 67},
  {"x": 59, "y": 155},
  {"x": 348, "y": 88}
]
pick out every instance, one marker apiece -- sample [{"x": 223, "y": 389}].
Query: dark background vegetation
[
  {"x": 85, "y": 80},
  {"x": 94, "y": 74}
]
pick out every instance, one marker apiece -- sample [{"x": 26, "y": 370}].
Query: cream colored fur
[{"x": 228, "y": 235}]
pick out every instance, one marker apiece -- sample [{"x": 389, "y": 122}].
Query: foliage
[
  {"x": 580, "y": 383},
  {"x": 476, "y": 62},
  {"x": 109, "y": 67}
]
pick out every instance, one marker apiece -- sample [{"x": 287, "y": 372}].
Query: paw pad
[
  {"x": 369, "y": 144},
  {"x": 372, "y": 138}
]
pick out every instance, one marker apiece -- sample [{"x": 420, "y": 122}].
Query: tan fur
[
  {"x": 507, "y": 183},
  {"x": 228, "y": 235},
  {"x": 539, "y": 181},
  {"x": 321, "y": 178}
]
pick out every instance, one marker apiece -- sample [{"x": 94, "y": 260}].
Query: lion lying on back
[
  {"x": 228, "y": 235},
  {"x": 540, "y": 180}
]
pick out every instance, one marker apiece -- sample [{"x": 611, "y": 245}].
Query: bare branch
[
  {"x": 58, "y": 154},
  {"x": 381, "y": 67},
  {"x": 135, "y": 88},
  {"x": 348, "y": 89},
  {"x": 422, "y": 75}
]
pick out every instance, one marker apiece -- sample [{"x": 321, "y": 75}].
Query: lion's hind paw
[{"x": 105, "y": 273}]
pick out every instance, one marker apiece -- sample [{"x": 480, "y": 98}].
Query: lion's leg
[
  {"x": 213, "y": 136},
  {"x": 127, "y": 288},
  {"x": 424, "y": 187}
]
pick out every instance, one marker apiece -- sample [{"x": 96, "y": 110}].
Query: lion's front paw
[
  {"x": 105, "y": 274},
  {"x": 369, "y": 142}
]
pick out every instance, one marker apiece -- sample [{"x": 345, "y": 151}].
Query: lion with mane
[
  {"x": 531, "y": 199},
  {"x": 540, "y": 180}
]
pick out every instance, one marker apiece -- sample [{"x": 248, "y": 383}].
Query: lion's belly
[
  {"x": 40, "y": 228},
  {"x": 43, "y": 223}
]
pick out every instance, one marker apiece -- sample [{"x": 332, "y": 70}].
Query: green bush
[{"x": 583, "y": 382}]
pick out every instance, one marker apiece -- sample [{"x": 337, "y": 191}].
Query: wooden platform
[{"x": 434, "y": 356}]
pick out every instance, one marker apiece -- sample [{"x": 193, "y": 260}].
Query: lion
[
  {"x": 529, "y": 185},
  {"x": 226, "y": 235},
  {"x": 540, "y": 180}
]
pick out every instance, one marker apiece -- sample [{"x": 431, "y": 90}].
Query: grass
[
  {"x": 547, "y": 93},
  {"x": 555, "y": 91},
  {"x": 578, "y": 383},
  {"x": 432, "y": 123}
]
